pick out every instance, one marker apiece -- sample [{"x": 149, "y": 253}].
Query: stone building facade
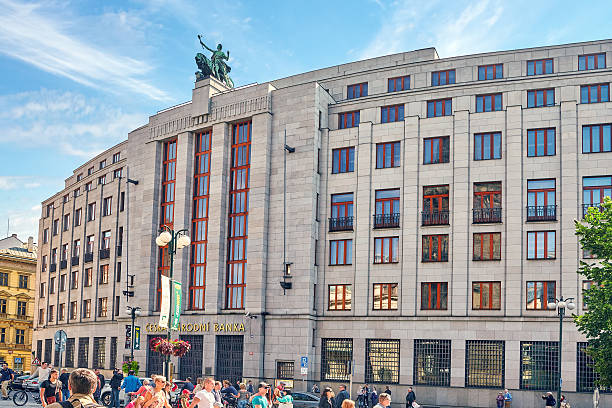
[{"x": 421, "y": 208}]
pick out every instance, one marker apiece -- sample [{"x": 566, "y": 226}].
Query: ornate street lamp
[{"x": 561, "y": 304}]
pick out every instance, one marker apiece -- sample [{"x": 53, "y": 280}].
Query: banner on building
[
  {"x": 178, "y": 297},
  {"x": 164, "y": 311},
  {"x": 128, "y": 336},
  {"x": 137, "y": 338}
]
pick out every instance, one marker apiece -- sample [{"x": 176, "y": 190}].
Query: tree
[{"x": 595, "y": 236}]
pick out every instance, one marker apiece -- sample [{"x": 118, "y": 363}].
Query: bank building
[{"x": 406, "y": 220}]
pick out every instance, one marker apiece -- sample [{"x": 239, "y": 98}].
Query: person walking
[
  {"x": 285, "y": 400},
  {"x": 63, "y": 378},
  {"x": 348, "y": 404},
  {"x": 199, "y": 385},
  {"x": 374, "y": 396},
  {"x": 189, "y": 386},
  {"x": 500, "y": 400},
  {"x": 6, "y": 376},
  {"x": 81, "y": 385},
  {"x": 204, "y": 398},
  {"x": 243, "y": 396},
  {"x": 387, "y": 390},
  {"x": 250, "y": 388},
  {"x": 101, "y": 383},
  {"x": 384, "y": 400},
  {"x": 115, "y": 385},
  {"x": 315, "y": 389},
  {"x": 563, "y": 403},
  {"x": 326, "y": 400},
  {"x": 42, "y": 372},
  {"x": 549, "y": 399},
  {"x": 342, "y": 395},
  {"x": 156, "y": 398},
  {"x": 217, "y": 392},
  {"x": 131, "y": 384},
  {"x": 507, "y": 398},
  {"x": 50, "y": 389},
  {"x": 410, "y": 397},
  {"x": 260, "y": 399}
]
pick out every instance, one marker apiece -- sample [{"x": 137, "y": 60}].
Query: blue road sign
[{"x": 304, "y": 362}]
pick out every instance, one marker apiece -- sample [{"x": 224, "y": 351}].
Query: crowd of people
[{"x": 367, "y": 397}]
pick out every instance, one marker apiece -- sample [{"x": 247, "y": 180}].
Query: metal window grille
[
  {"x": 539, "y": 365},
  {"x": 484, "y": 363},
  {"x": 113, "y": 353},
  {"x": 56, "y": 357},
  {"x": 382, "y": 361},
  {"x": 155, "y": 361},
  {"x": 432, "y": 363},
  {"x": 39, "y": 345},
  {"x": 190, "y": 365},
  {"x": 99, "y": 354},
  {"x": 48, "y": 346},
  {"x": 586, "y": 376},
  {"x": 285, "y": 370},
  {"x": 336, "y": 357},
  {"x": 69, "y": 352},
  {"x": 229, "y": 355},
  {"x": 83, "y": 352}
]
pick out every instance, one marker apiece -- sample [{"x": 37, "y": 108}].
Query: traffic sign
[
  {"x": 36, "y": 361},
  {"x": 304, "y": 370},
  {"x": 304, "y": 362}
]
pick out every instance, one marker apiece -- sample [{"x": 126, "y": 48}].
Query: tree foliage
[{"x": 595, "y": 236}]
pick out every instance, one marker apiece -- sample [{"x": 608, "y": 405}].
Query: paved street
[{"x": 9, "y": 403}]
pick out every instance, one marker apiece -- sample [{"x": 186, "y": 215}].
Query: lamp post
[
  {"x": 561, "y": 304},
  {"x": 133, "y": 311},
  {"x": 173, "y": 240}
]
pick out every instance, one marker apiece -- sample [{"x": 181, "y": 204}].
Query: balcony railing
[
  {"x": 434, "y": 217},
  {"x": 74, "y": 261},
  {"x": 486, "y": 215},
  {"x": 63, "y": 264},
  {"x": 542, "y": 213},
  {"x": 585, "y": 208},
  {"x": 341, "y": 224},
  {"x": 119, "y": 250},
  {"x": 23, "y": 317},
  {"x": 52, "y": 267},
  {"x": 104, "y": 253},
  {"x": 386, "y": 220},
  {"x": 88, "y": 257}
]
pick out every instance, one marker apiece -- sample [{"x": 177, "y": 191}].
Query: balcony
[
  {"x": 341, "y": 224},
  {"x": 63, "y": 264},
  {"x": 434, "y": 217},
  {"x": 386, "y": 221},
  {"x": 52, "y": 267},
  {"x": 74, "y": 261},
  {"x": 585, "y": 208},
  {"x": 486, "y": 215},
  {"x": 119, "y": 250},
  {"x": 542, "y": 213},
  {"x": 88, "y": 257},
  {"x": 105, "y": 253},
  {"x": 23, "y": 317}
]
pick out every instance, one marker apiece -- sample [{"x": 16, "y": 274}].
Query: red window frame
[
  {"x": 545, "y": 101},
  {"x": 547, "y": 190},
  {"x": 345, "y": 251},
  {"x": 437, "y": 241},
  {"x": 401, "y": 81},
  {"x": 590, "y": 88},
  {"x": 479, "y": 196},
  {"x": 166, "y": 208},
  {"x": 235, "y": 284},
  {"x": 440, "y": 141},
  {"x": 348, "y": 119},
  {"x": 491, "y": 137},
  {"x": 434, "y": 112},
  {"x": 543, "y": 61},
  {"x": 341, "y": 209},
  {"x": 199, "y": 220},
  {"x": 386, "y": 292},
  {"x": 599, "y": 189},
  {"x": 386, "y": 202},
  {"x": 428, "y": 199},
  {"x": 390, "y": 242},
  {"x": 544, "y": 285},
  {"x": 447, "y": 76},
  {"x": 481, "y": 102},
  {"x": 485, "y": 249},
  {"x": 337, "y": 154},
  {"x": 494, "y": 290},
  {"x": 534, "y": 133},
  {"x": 596, "y": 58},
  {"x": 339, "y": 304},
  {"x": 393, "y": 113},
  {"x": 494, "y": 67},
  {"x": 383, "y": 147},
  {"x": 545, "y": 243},
  {"x": 362, "y": 87},
  {"x": 437, "y": 286}
]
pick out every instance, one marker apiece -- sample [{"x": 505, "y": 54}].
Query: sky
[{"x": 77, "y": 76}]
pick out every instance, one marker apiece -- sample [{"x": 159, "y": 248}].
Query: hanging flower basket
[{"x": 166, "y": 347}]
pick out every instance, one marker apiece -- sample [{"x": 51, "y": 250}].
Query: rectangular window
[
  {"x": 43, "y": 289},
  {"x": 436, "y": 150},
  {"x": 382, "y": 361},
  {"x": 387, "y": 208},
  {"x": 388, "y": 155},
  {"x": 398, "y": 84},
  {"x": 386, "y": 250},
  {"x": 99, "y": 356},
  {"x": 339, "y": 297},
  {"x": 102, "y": 180},
  {"x": 44, "y": 263},
  {"x": 541, "y": 142},
  {"x": 22, "y": 308},
  {"x": 541, "y": 201},
  {"x": 443, "y": 77},
  {"x": 540, "y": 97},
  {"x": 539, "y": 67},
  {"x": 90, "y": 171},
  {"x": 88, "y": 186},
  {"x": 83, "y": 353},
  {"x": 116, "y": 157},
  {"x": 539, "y": 365},
  {"x": 49, "y": 210},
  {"x": 52, "y": 285},
  {"x": 357, "y": 90},
  {"x": 51, "y": 313},
  {"x": 586, "y": 285},
  {"x": 23, "y": 281},
  {"x": 103, "y": 274},
  {"x": 107, "y": 205},
  {"x": 541, "y": 245},
  {"x": 19, "y": 336},
  {"x": 64, "y": 252},
  {"x": 489, "y": 103},
  {"x": 122, "y": 201},
  {"x": 343, "y": 160},
  {"x": 65, "y": 198},
  {"x": 76, "y": 248},
  {"x": 62, "y": 312},
  {"x": 341, "y": 252},
  {"x": 66, "y": 222},
  {"x": 113, "y": 352},
  {"x": 106, "y": 238},
  {"x": 55, "y": 227},
  {"x": 595, "y": 93},
  {"x": 102, "y": 164},
  {"x": 540, "y": 294},
  {"x": 88, "y": 277},
  {"x": 487, "y": 202},
  {"x": 62, "y": 283},
  {"x": 73, "y": 310},
  {"x": 91, "y": 212},
  {"x": 594, "y": 189},
  {"x": 432, "y": 362},
  {"x": 434, "y": 295},
  {"x": 70, "y": 352},
  {"x": 596, "y": 138},
  {"x": 77, "y": 192},
  {"x": 78, "y": 215},
  {"x": 53, "y": 256},
  {"x": 102, "y": 307},
  {"x": 586, "y": 376},
  {"x": 336, "y": 359},
  {"x": 484, "y": 363},
  {"x": 435, "y": 205},
  {"x": 487, "y": 246},
  {"x": 74, "y": 280},
  {"x": 393, "y": 113},
  {"x": 341, "y": 212},
  {"x": 3, "y": 306},
  {"x": 385, "y": 296},
  {"x": 435, "y": 248},
  {"x": 486, "y": 295},
  {"x": 90, "y": 244},
  {"x": 79, "y": 177},
  {"x": 348, "y": 120},
  {"x": 118, "y": 173},
  {"x": 41, "y": 316},
  {"x": 591, "y": 61},
  {"x": 285, "y": 370},
  {"x": 439, "y": 107},
  {"x": 493, "y": 71},
  {"x": 46, "y": 236}
]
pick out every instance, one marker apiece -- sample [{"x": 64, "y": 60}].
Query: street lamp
[
  {"x": 133, "y": 311},
  {"x": 173, "y": 240},
  {"x": 561, "y": 304}
]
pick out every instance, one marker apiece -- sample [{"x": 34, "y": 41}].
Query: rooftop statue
[{"x": 215, "y": 66}]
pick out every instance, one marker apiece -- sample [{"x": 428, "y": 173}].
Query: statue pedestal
[{"x": 203, "y": 90}]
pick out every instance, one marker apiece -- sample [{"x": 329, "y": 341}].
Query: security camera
[{"x": 249, "y": 315}]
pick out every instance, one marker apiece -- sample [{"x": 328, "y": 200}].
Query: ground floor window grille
[
  {"x": 99, "y": 355},
  {"x": 284, "y": 370},
  {"x": 336, "y": 357},
  {"x": 48, "y": 351},
  {"x": 432, "y": 362},
  {"x": 39, "y": 349},
  {"x": 484, "y": 363},
  {"x": 539, "y": 365},
  {"x": 70, "y": 352},
  {"x": 113, "y": 353},
  {"x": 382, "y": 361},
  {"x": 83, "y": 352},
  {"x": 155, "y": 361},
  {"x": 586, "y": 376}
]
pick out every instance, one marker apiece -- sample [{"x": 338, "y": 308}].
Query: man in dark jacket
[
  {"x": 188, "y": 385},
  {"x": 64, "y": 376},
  {"x": 100, "y": 385},
  {"x": 550, "y": 400},
  {"x": 342, "y": 395},
  {"x": 115, "y": 385},
  {"x": 410, "y": 398}
]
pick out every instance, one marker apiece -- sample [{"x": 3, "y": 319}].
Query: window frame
[
  {"x": 545, "y": 94},
  {"x": 439, "y": 244},
  {"x": 545, "y": 289},
  {"x": 349, "y": 159},
  {"x": 383, "y": 147},
  {"x": 534, "y": 133},
  {"x": 543, "y": 61},
  {"x": 395, "y": 80},
  {"x": 345, "y": 123},
  {"x": 602, "y": 141},
  {"x": 481, "y": 102},
  {"x": 363, "y": 90},
  {"x": 397, "y": 111},
  {"x": 391, "y": 242},
  {"x": 344, "y": 306},
  {"x": 341, "y": 207},
  {"x": 439, "y": 293},
  {"x": 347, "y": 252},
  {"x": 491, "y": 244},
  {"x": 596, "y": 56},
  {"x": 385, "y": 304},
  {"x": 436, "y": 77},
  {"x": 442, "y": 142},
  {"x": 433, "y": 103},
  {"x": 546, "y": 245},
  {"x": 495, "y": 67},
  {"x": 589, "y": 89},
  {"x": 494, "y": 288}
]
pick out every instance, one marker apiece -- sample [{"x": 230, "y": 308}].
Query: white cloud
[
  {"x": 18, "y": 182},
  {"x": 30, "y": 35}
]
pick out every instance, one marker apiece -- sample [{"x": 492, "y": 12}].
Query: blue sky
[{"x": 76, "y": 77}]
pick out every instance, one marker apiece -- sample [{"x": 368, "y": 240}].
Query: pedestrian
[
  {"x": 315, "y": 389},
  {"x": 63, "y": 379},
  {"x": 348, "y": 404},
  {"x": 383, "y": 401},
  {"x": 507, "y": 398},
  {"x": 387, "y": 390},
  {"x": 204, "y": 398},
  {"x": 277, "y": 394},
  {"x": 6, "y": 376},
  {"x": 217, "y": 392},
  {"x": 326, "y": 398},
  {"x": 188, "y": 385},
  {"x": 42, "y": 372},
  {"x": 115, "y": 385},
  {"x": 250, "y": 388},
  {"x": 563, "y": 402},
  {"x": 260, "y": 399},
  {"x": 81, "y": 385},
  {"x": 286, "y": 400},
  {"x": 374, "y": 397},
  {"x": 156, "y": 397},
  {"x": 167, "y": 390},
  {"x": 50, "y": 389},
  {"x": 243, "y": 396},
  {"x": 410, "y": 398},
  {"x": 342, "y": 395},
  {"x": 101, "y": 383},
  {"x": 228, "y": 390},
  {"x": 549, "y": 399},
  {"x": 500, "y": 400},
  {"x": 131, "y": 384},
  {"x": 199, "y": 385}
]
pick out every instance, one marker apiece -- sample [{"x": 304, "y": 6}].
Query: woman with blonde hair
[{"x": 347, "y": 403}]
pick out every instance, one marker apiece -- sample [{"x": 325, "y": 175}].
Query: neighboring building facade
[
  {"x": 17, "y": 280},
  {"x": 427, "y": 223}
]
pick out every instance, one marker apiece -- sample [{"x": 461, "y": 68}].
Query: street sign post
[
  {"x": 60, "y": 338},
  {"x": 304, "y": 362}
]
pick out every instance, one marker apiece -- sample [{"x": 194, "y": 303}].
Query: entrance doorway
[{"x": 229, "y": 358}]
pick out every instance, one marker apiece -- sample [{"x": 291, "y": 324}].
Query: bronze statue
[{"x": 215, "y": 66}]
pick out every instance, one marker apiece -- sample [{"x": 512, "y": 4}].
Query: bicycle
[{"x": 21, "y": 397}]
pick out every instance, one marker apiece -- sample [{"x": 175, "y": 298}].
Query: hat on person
[{"x": 263, "y": 385}]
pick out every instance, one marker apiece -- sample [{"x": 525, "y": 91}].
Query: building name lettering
[{"x": 200, "y": 327}]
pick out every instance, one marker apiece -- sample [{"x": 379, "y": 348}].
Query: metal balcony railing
[
  {"x": 88, "y": 257},
  {"x": 63, "y": 264},
  {"x": 74, "y": 261},
  {"x": 104, "y": 253},
  {"x": 585, "y": 208},
  {"x": 542, "y": 213},
  {"x": 52, "y": 267},
  {"x": 341, "y": 224},
  {"x": 486, "y": 215},
  {"x": 386, "y": 220},
  {"x": 434, "y": 217}
]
